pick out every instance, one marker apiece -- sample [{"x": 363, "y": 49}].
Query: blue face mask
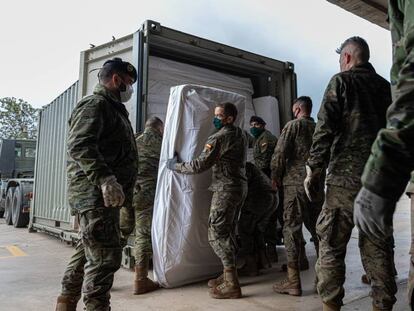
[{"x": 218, "y": 124}]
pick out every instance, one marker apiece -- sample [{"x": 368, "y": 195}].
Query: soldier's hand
[
  {"x": 172, "y": 162},
  {"x": 373, "y": 214},
  {"x": 312, "y": 184},
  {"x": 112, "y": 193}
]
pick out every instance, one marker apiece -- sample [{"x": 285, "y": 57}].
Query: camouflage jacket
[
  {"x": 263, "y": 148},
  {"x": 100, "y": 144},
  {"x": 225, "y": 152},
  {"x": 259, "y": 189},
  {"x": 352, "y": 112},
  {"x": 149, "y": 149},
  {"x": 292, "y": 151},
  {"x": 258, "y": 183}
]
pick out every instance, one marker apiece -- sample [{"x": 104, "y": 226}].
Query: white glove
[
  {"x": 112, "y": 192},
  {"x": 373, "y": 214},
  {"x": 312, "y": 184}
]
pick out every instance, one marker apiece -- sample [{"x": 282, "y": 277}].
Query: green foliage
[{"x": 18, "y": 119}]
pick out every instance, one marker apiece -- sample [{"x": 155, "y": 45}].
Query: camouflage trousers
[
  {"x": 272, "y": 235},
  {"x": 334, "y": 227},
  {"x": 144, "y": 206},
  {"x": 298, "y": 211},
  {"x": 392, "y": 156},
  {"x": 96, "y": 259},
  {"x": 224, "y": 212},
  {"x": 252, "y": 224}
]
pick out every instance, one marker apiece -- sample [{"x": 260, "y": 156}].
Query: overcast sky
[{"x": 41, "y": 40}]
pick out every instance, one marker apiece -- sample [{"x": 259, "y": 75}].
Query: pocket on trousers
[
  {"x": 92, "y": 228},
  {"x": 99, "y": 228},
  {"x": 325, "y": 224}
]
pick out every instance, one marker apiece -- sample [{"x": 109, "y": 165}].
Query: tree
[{"x": 18, "y": 119}]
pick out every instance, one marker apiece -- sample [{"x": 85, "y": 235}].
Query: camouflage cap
[{"x": 118, "y": 65}]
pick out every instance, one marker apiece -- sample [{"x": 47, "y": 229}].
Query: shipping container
[
  {"x": 49, "y": 210},
  {"x": 164, "y": 57}
]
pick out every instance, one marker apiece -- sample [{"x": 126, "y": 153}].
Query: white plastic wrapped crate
[
  {"x": 182, "y": 253},
  {"x": 267, "y": 107},
  {"x": 165, "y": 73}
]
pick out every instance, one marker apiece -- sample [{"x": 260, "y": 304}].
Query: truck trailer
[
  {"x": 164, "y": 58},
  {"x": 17, "y": 158}
]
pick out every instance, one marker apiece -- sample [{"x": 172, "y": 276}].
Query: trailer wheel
[
  {"x": 20, "y": 219},
  {"x": 8, "y": 206}
]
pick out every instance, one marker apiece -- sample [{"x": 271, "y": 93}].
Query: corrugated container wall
[{"x": 50, "y": 207}]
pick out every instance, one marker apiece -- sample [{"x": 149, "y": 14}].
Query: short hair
[
  {"x": 304, "y": 102},
  {"x": 362, "y": 52},
  {"x": 154, "y": 122},
  {"x": 230, "y": 109},
  {"x": 116, "y": 66}
]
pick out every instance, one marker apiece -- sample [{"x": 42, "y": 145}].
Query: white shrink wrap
[
  {"x": 165, "y": 73},
  {"x": 267, "y": 108},
  {"x": 182, "y": 253}
]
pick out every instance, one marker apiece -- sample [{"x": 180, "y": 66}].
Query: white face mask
[{"x": 127, "y": 94}]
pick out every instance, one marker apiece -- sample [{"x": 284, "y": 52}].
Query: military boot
[
  {"x": 215, "y": 282},
  {"x": 291, "y": 285},
  {"x": 330, "y": 307},
  {"x": 250, "y": 267},
  {"x": 303, "y": 265},
  {"x": 229, "y": 288},
  {"x": 142, "y": 283},
  {"x": 66, "y": 303}
]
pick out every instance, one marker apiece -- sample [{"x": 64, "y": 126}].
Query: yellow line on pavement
[{"x": 15, "y": 251}]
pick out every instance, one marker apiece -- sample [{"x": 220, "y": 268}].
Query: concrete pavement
[{"x": 31, "y": 267}]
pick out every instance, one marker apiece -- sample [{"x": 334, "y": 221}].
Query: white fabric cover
[
  {"x": 165, "y": 73},
  {"x": 182, "y": 253},
  {"x": 267, "y": 108}
]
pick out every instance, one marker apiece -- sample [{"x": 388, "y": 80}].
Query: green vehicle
[{"x": 17, "y": 159}]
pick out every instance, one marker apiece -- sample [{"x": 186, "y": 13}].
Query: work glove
[
  {"x": 172, "y": 162},
  {"x": 312, "y": 184},
  {"x": 373, "y": 214},
  {"x": 112, "y": 192}
]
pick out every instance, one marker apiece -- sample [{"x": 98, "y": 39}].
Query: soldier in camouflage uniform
[
  {"x": 261, "y": 202},
  {"x": 263, "y": 143},
  {"x": 388, "y": 169},
  {"x": 149, "y": 148},
  {"x": 101, "y": 173},
  {"x": 288, "y": 171},
  {"x": 352, "y": 112},
  {"x": 225, "y": 151}
]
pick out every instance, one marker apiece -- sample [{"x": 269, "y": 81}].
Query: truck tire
[
  {"x": 20, "y": 219},
  {"x": 8, "y": 206}
]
